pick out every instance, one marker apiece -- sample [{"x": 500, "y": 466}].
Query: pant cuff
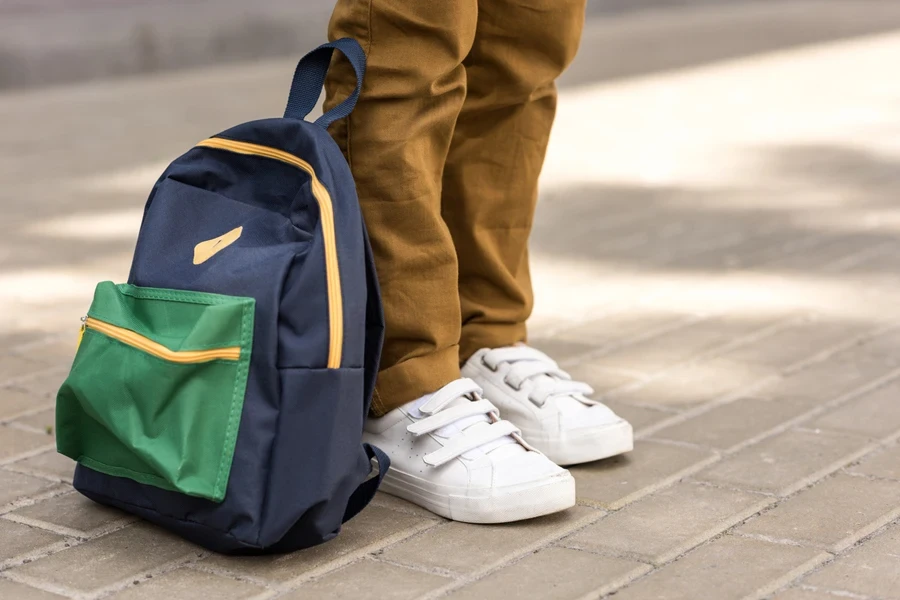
[
  {"x": 476, "y": 336},
  {"x": 413, "y": 378}
]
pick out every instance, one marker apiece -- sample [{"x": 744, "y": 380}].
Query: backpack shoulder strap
[
  {"x": 309, "y": 77},
  {"x": 366, "y": 490}
]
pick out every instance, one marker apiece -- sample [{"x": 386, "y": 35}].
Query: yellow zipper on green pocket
[
  {"x": 323, "y": 198},
  {"x": 145, "y": 344}
]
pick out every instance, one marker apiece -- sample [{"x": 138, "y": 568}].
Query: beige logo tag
[{"x": 206, "y": 250}]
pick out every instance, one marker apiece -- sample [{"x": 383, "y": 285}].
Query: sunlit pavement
[{"x": 716, "y": 251}]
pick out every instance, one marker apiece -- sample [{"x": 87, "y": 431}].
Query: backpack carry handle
[
  {"x": 309, "y": 77},
  {"x": 366, "y": 490}
]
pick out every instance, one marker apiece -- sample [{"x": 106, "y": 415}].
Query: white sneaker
[
  {"x": 553, "y": 412},
  {"x": 452, "y": 454}
]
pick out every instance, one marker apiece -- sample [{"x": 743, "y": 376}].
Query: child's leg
[
  {"x": 396, "y": 141},
  {"x": 449, "y": 450},
  {"x": 491, "y": 177},
  {"x": 489, "y": 197}
]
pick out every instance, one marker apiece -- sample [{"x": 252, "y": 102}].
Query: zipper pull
[{"x": 81, "y": 332}]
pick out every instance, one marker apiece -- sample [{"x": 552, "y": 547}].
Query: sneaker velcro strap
[
  {"x": 451, "y": 415},
  {"x": 473, "y": 437}
]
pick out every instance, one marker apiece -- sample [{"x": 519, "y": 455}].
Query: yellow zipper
[
  {"x": 145, "y": 344},
  {"x": 332, "y": 273}
]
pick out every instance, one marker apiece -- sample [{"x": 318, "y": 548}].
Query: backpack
[{"x": 221, "y": 393}]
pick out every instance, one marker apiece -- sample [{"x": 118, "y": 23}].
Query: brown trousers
[{"x": 446, "y": 145}]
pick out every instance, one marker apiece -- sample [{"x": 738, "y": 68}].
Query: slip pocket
[{"x": 157, "y": 387}]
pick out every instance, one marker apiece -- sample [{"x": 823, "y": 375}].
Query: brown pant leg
[
  {"x": 491, "y": 176},
  {"x": 396, "y": 142}
]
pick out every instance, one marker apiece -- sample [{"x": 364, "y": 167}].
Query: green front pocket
[{"x": 157, "y": 387}]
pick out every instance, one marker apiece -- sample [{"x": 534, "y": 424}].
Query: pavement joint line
[
  {"x": 60, "y": 490},
  {"x": 865, "y": 531},
  {"x": 13, "y": 424},
  {"x": 24, "y": 379},
  {"x": 859, "y": 543},
  {"x": 128, "y": 582},
  {"x": 603, "y": 552},
  {"x": 727, "y": 524},
  {"x": 213, "y": 570},
  {"x": 356, "y": 555},
  {"x": 548, "y": 540},
  {"x": 12, "y": 468},
  {"x": 730, "y": 488},
  {"x": 449, "y": 574},
  {"x": 42, "y": 585},
  {"x": 778, "y": 541},
  {"x": 830, "y": 469},
  {"x": 835, "y": 593},
  {"x": 27, "y": 412},
  {"x": 37, "y": 524},
  {"x": 771, "y": 587},
  {"x": 869, "y": 476},
  {"x": 26, "y": 455},
  {"x": 663, "y": 483},
  {"x": 618, "y": 583}
]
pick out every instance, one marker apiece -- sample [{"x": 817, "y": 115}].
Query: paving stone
[
  {"x": 831, "y": 514},
  {"x": 884, "y": 463},
  {"x": 43, "y": 422},
  {"x": 679, "y": 345},
  {"x": 696, "y": 383},
  {"x": 722, "y": 565},
  {"x": 14, "y": 402},
  {"x": 871, "y": 569},
  {"x": 876, "y": 414},
  {"x": 617, "y": 480},
  {"x": 464, "y": 548},
  {"x": 14, "y": 367},
  {"x": 122, "y": 555},
  {"x": 554, "y": 574},
  {"x": 368, "y": 579},
  {"x": 797, "y": 343},
  {"x": 370, "y": 526},
  {"x": 50, "y": 464},
  {"x": 19, "y": 591},
  {"x": 14, "y": 442},
  {"x": 827, "y": 380},
  {"x": 782, "y": 463},
  {"x": 14, "y": 486},
  {"x": 188, "y": 584},
  {"x": 669, "y": 522},
  {"x": 730, "y": 424},
  {"x": 73, "y": 511},
  {"x": 20, "y": 539}
]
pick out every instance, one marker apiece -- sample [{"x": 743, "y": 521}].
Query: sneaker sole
[
  {"x": 495, "y": 505},
  {"x": 587, "y": 445}
]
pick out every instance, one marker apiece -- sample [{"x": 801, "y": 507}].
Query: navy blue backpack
[{"x": 221, "y": 392}]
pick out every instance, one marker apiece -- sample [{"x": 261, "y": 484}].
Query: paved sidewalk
[{"x": 717, "y": 252}]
